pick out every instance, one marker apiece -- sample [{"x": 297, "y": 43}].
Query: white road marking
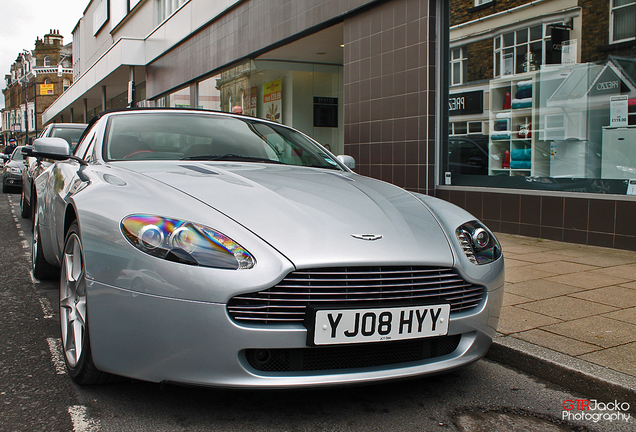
[
  {"x": 56, "y": 355},
  {"x": 81, "y": 421},
  {"x": 46, "y": 307},
  {"x": 79, "y": 414}
]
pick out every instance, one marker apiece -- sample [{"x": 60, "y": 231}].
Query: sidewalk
[{"x": 569, "y": 314}]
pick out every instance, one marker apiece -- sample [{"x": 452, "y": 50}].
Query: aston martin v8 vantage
[{"x": 206, "y": 248}]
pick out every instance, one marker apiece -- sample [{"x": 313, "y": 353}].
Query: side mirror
[
  {"x": 27, "y": 150},
  {"x": 4, "y": 156},
  {"x": 51, "y": 148},
  {"x": 348, "y": 161}
]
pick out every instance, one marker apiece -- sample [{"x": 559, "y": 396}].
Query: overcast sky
[{"x": 23, "y": 21}]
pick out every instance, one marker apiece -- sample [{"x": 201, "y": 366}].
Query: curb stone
[{"x": 597, "y": 382}]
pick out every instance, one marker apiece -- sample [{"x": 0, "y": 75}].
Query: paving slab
[
  {"x": 557, "y": 342},
  {"x": 514, "y": 319},
  {"x": 540, "y": 289},
  {"x": 618, "y": 296},
  {"x": 567, "y": 308},
  {"x": 621, "y": 358}
]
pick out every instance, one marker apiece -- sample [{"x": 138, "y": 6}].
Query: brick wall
[
  {"x": 480, "y": 60},
  {"x": 595, "y": 15},
  {"x": 464, "y": 10}
]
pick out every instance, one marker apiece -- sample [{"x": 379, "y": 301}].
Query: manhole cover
[{"x": 493, "y": 421}]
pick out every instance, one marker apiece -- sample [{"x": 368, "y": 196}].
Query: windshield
[
  {"x": 194, "y": 136},
  {"x": 17, "y": 154},
  {"x": 71, "y": 135}
]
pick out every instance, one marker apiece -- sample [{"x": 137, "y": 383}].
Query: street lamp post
[{"x": 26, "y": 112}]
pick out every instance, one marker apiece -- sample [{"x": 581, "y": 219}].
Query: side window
[{"x": 82, "y": 149}]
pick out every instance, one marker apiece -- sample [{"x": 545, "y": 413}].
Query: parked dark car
[
  {"x": 33, "y": 167},
  {"x": 11, "y": 171},
  {"x": 468, "y": 155}
]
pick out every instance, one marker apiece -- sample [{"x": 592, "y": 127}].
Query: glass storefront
[
  {"x": 555, "y": 108},
  {"x": 306, "y": 96}
]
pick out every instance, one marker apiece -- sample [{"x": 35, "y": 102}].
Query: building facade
[
  {"x": 518, "y": 111},
  {"x": 37, "y": 78}
]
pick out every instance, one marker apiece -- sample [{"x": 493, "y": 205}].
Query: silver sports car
[{"x": 264, "y": 261}]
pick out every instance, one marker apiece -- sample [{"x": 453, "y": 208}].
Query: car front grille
[
  {"x": 361, "y": 286},
  {"x": 351, "y": 356}
]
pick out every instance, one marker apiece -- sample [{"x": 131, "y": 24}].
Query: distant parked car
[
  {"x": 71, "y": 132},
  {"x": 11, "y": 177},
  {"x": 468, "y": 155}
]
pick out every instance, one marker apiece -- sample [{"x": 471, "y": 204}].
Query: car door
[{"x": 63, "y": 180}]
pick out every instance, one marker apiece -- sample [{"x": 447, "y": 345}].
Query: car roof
[{"x": 68, "y": 125}]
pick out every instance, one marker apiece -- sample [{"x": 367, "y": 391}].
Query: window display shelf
[{"x": 513, "y": 112}]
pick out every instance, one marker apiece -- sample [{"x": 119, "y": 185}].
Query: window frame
[
  {"x": 613, "y": 10},
  {"x": 499, "y": 48},
  {"x": 462, "y": 63}
]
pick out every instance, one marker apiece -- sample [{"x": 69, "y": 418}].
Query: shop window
[
  {"x": 622, "y": 20},
  {"x": 209, "y": 95},
  {"x": 458, "y": 66},
  {"x": 554, "y": 117},
  {"x": 180, "y": 99}
]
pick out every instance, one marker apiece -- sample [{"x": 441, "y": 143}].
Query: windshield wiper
[{"x": 231, "y": 157}]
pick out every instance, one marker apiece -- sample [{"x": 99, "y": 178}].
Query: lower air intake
[{"x": 350, "y": 356}]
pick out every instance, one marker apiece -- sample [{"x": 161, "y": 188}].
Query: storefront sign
[
  {"x": 46, "y": 89},
  {"x": 466, "y": 103},
  {"x": 325, "y": 112},
  {"x": 273, "y": 99},
  {"x": 618, "y": 111},
  {"x": 568, "y": 52}
]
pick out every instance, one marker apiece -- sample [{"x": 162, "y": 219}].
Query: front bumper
[
  {"x": 14, "y": 180},
  {"x": 160, "y": 339}
]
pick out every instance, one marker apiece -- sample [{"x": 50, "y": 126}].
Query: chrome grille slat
[
  {"x": 286, "y": 302},
  {"x": 383, "y": 285}
]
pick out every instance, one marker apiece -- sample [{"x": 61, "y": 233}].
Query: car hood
[{"x": 314, "y": 216}]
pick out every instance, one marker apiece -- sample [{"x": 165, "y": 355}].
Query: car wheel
[
  {"x": 40, "y": 266},
  {"x": 137, "y": 284},
  {"x": 5, "y": 188},
  {"x": 33, "y": 209},
  {"x": 73, "y": 314},
  {"x": 25, "y": 209}
]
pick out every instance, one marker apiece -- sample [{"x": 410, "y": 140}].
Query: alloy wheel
[{"x": 73, "y": 300}]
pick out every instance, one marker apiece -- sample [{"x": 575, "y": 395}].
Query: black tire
[
  {"x": 39, "y": 265},
  {"x": 5, "y": 188},
  {"x": 25, "y": 208},
  {"x": 74, "y": 315},
  {"x": 33, "y": 208}
]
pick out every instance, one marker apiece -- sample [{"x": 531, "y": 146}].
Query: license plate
[{"x": 346, "y": 326}]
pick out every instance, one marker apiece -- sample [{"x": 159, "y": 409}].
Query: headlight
[
  {"x": 185, "y": 242},
  {"x": 478, "y": 243}
]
